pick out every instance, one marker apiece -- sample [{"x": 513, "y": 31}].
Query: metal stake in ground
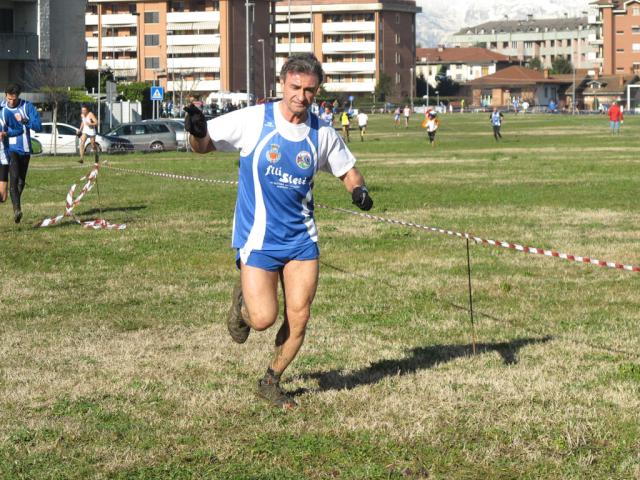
[{"x": 473, "y": 323}]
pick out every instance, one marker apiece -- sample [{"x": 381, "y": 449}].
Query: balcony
[
  {"x": 295, "y": 48},
  {"x": 173, "y": 40},
  {"x": 193, "y": 17},
  {"x": 193, "y": 85},
  {"x": 348, "y": 27},
  {"x": 211, "y": 64},
  {"x": 114, "y": 64},
  {"x": 349, "y": 67},
  {"x": 349, "y": 47},
  {"x": 119, "y": 20},
  {"x": 283, "y": 28},
  {"x": 18, "y": 46},
  {"x": 356, "y": 87},
  {"x": 110, "y": 43}
]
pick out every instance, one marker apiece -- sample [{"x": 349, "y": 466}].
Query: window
[
  {"x": 635, "y": 47},
  {"x": 568, "y": 42},
  {"x": 635, "y": 11},
  {"x": 397, "y": 39},
  {"x": 619, "y": 32},
  {"x": 152, "y": 62},
  {"x": 528, "y": 44},
  {"x": 397, "y": 58},
  {"x": 397, "y": 78},
  {"x": 133, "y": 8},
  {"x": 64, "y": 130},
  {"x": 157, "y": 128},
  {"x": 552, "y": 43},
  {"x": 397, "y": 19},
  {"x": 47, "y": 128},
  {"x": 505, "y": 44},
  {"x": 620, "y": 50},
  {"x": 635, "y": 30},
  {"x": 514, "y": 44},
  {"x": 6, "y": 20},
  {"x": 151, "y": 40},
  {"x": 151, "y": 17}
]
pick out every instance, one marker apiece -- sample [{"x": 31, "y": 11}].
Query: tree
[
  {"x": 561, "y": 65},
  {"x": 134, "y": 91},
  {"x": 446, "y": 86},
  {"x": 383, "y": 87},
  {"x": 535, "y": 63},
  {"x": 56, "y": 86}
]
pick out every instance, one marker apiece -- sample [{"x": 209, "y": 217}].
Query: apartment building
[
  {"x": 617, "y": 35},
  {"x": 461, "y": 64},
  {"x": 357, "y": 41},
  {"x": 546, "y": 39},
  {"x": 32, "y": 52},
  {"x": 195, "y": 46}
]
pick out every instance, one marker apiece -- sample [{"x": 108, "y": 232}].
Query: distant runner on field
[
  {"x": 616, "y": 118},
  {"x": 496, "y": 121}
]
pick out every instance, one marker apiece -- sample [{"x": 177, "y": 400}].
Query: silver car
[
  {"x": 66, "y": 141},
  {"x": 147, "y": 136}
]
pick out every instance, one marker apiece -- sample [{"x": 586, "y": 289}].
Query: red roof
[
  {"x": 474, "y": 55},
  {"x": 517, "y": 75}
]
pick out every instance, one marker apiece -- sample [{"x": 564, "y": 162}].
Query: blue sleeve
[{"x": 34, "y": 118}]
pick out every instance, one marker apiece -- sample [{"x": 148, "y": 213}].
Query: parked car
[
  {"x": 177, "y": 125},
  {"x": 155, "y": 136},
  {"x": 67, "y": 141}
]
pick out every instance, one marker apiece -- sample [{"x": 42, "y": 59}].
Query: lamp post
[
  {"x": 411, "y": 88},
  {"x": 138, "y": 69},
  {"x": 264, "y": 71}
]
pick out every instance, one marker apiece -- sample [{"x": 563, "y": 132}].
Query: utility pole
[
  {"x": 247, "y": 6},
  {"x": 264, "y": 71}
]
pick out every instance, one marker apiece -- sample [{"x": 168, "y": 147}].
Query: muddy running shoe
[
  {"x": 17, "y": 215},
  {"x": 236, "y": 325},
  {"x": 270, "y": 391}
]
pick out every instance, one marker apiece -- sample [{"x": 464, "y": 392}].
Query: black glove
[
  {"x": 194, "y": 121},
  {"x": 361, "y": 198}
]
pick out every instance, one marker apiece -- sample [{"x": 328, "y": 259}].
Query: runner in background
[
  {"x": 87, "y": 129},
  {"x": 363, "y": 119}
]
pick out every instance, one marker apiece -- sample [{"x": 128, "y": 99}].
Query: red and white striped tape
[
  {"x": 72, "y": 201},
  {"x": 495, "y": 243}
]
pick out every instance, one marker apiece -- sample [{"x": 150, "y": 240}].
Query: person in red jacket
[{"x": 615, "y": 118}]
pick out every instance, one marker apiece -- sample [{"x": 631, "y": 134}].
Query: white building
[{"x": 546, "y": 39}]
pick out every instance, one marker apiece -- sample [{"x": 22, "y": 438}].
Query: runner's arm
[{"x": 34, "y": 122}]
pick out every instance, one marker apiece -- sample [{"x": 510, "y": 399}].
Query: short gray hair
[{"x": 302, "y": 63}]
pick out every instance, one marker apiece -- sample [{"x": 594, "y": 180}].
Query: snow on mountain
[{"x": 437, "y": 21}]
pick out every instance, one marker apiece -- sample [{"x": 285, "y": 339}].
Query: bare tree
[{"x": 56, "y": 85}]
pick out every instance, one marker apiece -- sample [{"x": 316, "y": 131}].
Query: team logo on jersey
[
  {"x": 303, "y": 160},
  {"x": 273, "y": 155}
]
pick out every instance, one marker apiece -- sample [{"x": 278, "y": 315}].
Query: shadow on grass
[
  {"x": 421, "y": 358},
  {"x": 94, "y": 211}
]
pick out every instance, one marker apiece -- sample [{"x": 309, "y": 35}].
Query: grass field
[{"x": 115, "y": 361}]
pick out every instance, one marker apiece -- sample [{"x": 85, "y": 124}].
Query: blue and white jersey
[
  {"x": 21, "y": 142},
  {"x": 4, "y": 144},
  {"x": 496, "y": 119},
  {"x": 278, "y": 163}
]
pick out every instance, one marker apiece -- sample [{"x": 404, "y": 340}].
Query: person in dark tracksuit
[{"x": 20, "y": 117}]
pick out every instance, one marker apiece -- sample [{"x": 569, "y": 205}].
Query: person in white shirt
[
  {"x": 407, "y": 113},
  {"x": 432, "y": 127},
  {"x": 87, "y": 129},
  {"x": 362, "y": 124},
  {"x": 283, "y": 146}
]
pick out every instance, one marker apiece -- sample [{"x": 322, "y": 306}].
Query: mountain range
[{"x": 437, "y": 21}]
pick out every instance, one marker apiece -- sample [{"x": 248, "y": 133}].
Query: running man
[
  {"x": 345, "y": 121},
  {"x": 87, "y": 129},
  {"x": 282, "y": 146},
  {"x": 432, "y": 127},
  {"x": 4, "y": 157},
  {"x": 363, "y": 119},
  {"x": 396, "y": 117},
  {"x": 496, "y": 121},
  {"x": 616, "y": 117},
  {"x": 21, "y": 117},
  {"x": 406, "y": 112}
]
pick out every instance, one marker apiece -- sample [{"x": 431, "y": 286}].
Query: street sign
[{"x": 157, "y": 94}]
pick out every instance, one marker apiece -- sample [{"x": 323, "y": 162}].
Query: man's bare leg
[
  {"x": 260, "y": 297},
  {"x": 300, "y": 281},
  {"x": 3, "y": 191}
]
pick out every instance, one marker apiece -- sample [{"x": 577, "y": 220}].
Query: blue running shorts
[{"x": 274, "y": 260}]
